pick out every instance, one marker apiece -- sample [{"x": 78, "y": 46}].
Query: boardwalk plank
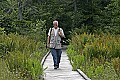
[{"x": 63, "y": 73}]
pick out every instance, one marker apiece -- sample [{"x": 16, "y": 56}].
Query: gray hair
[{"x": 55, "y": 22}]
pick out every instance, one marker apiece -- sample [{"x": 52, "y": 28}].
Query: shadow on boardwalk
[{"x": 63, "y": 73}]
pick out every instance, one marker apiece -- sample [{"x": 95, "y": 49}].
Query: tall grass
[
  {"x": 5, "y": 74},
  {"x": 22, "y": 55},
  {"x": 97, "y": 55}
]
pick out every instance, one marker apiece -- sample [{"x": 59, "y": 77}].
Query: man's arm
[
  {"x": 61, "y": 33},
  {"x": 48, "y": 39}
]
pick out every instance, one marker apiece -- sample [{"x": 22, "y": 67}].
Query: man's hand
[
  {"x": 48, "y": 45},
  {"x": 60, "y": 34}
]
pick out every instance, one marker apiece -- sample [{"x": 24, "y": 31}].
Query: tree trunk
[
  {"x": 19, "y": 10},
  {"x": 75, "y": 5}
]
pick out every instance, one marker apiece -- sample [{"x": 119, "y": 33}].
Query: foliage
[
  {"x": 33, "y": 18},
  {"x": 96, "y": 55},
  {"x": 1, "y": 31},
  {"x": 91, "y": 15},
  {"x": 22, "y": 55},
  {"x": 5, "y": 74},
  {"x": 116, "y": 65}
]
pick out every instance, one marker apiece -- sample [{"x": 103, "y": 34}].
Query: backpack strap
[{"x": 50, "y": 31}]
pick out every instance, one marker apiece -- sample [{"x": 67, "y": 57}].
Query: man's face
[{"x": 55, "y": 25}]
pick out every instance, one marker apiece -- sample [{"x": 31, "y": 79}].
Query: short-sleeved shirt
[{"x": 55, "y": 30}]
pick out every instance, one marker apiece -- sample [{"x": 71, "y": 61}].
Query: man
[{"x": 54, "y": 43}]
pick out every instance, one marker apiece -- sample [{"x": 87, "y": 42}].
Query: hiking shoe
[{"x": 55, "y": 67}]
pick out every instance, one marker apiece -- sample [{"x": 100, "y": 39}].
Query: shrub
[
  {"x": 95, "y": 52},
  {"x": 5, "y": 74},
  {"x": 22, "y": 55},
  {"x": 116, "y": 65}
]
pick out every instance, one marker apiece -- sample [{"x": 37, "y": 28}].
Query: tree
[
  {"x": 19, "y": 10},
  {"x": 113, "y": 11}
]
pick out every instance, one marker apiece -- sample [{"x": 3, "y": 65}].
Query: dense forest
[
  {"x": 90, "y": 16},
  {"x": 24, "y": 25}
]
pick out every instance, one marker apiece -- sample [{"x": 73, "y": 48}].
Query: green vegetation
[
  {"x": 25, "y": 23},
  {"x": 91, "y": 15},
  {"x": 98, "y": 56},
  {"x": 5, "y": 74},
  {"x": 22, "y": 55}
]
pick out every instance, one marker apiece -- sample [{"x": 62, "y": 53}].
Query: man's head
[{"x": 55, "y": 24}]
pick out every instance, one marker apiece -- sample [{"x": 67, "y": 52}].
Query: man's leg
[
  {"x": 59, "y": 52},
  {"x": 54, "y": 54}
]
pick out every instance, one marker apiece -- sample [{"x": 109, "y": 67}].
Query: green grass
[
  {"x": 98, "y": 56},
  {"x": 22, "y": 56},
  {"x": 5, "y": 74}
]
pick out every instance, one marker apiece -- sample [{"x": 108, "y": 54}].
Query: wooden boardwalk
[{"x": 63, "y": 73}]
